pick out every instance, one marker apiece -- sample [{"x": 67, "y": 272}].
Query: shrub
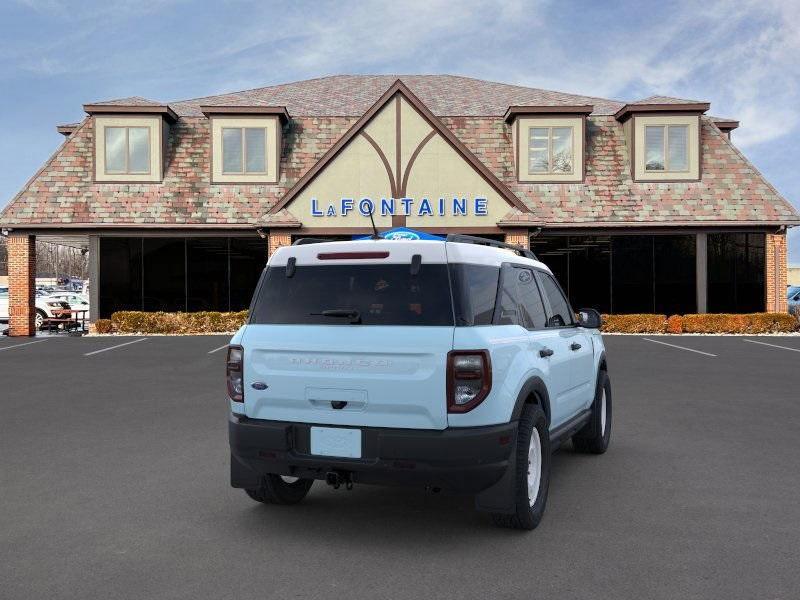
[
  {"x": 163, "y": 322},
  {"x": 675, "y": 324},
  {"x": 103, "y": 326},
  {"x": 634, "y": 323},
  {"x": 748, "y": 323}
]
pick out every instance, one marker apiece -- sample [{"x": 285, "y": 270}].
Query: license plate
[{"x": 335, "y": 441}]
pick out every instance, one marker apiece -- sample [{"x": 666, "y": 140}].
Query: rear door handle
[
  {"x": 545, "y": 352},
  {"x": 575, "y": 346}
]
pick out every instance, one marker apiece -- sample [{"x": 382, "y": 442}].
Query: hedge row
[
  {"x": 219, "y": 322},
  {"x": 163, "y": 322},
  {"x": 708, "y": 323}
]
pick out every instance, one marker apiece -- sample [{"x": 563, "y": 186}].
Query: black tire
[
  {"x": 274, "y": 490},
  {"x": 596, "y": 434},
  {"x": 528, "y": 512}
]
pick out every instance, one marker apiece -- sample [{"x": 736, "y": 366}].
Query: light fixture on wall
[
  {"x": 261, "y": 233},
  {"x": 5, "y": 231}
]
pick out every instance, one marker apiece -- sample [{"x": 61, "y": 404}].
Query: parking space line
[
  {"x": 218, "y": 349},
  {"x": 772, "y": 345},
  {"x": 114, "y": 347},
  {"x": 20, "y": 345},
  {"x": 680, "y": 347}
]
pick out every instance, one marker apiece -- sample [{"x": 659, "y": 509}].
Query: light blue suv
[{"x": 454, "y": 365}]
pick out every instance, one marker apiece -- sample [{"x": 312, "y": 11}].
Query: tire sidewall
[
  {"x": 603, "y": 385},
  {"x": 529, "y": 514}
]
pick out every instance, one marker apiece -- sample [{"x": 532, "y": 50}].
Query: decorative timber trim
[{"x": 398, "y": 87}]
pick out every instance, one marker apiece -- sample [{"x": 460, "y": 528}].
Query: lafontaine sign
[{"x": 422, "y": 207}]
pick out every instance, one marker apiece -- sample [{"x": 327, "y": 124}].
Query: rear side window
[
  {"x": 520, "y": 300},
  {"x": 474, "y": 293},
  {"x": 385, "y": 294},
  {"x": 560, "y": 313}
]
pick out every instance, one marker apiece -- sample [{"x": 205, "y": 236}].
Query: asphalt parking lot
[{"x": 114, "y": 484}]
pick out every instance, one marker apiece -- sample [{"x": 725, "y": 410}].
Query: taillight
[
  {"x": 469, "y": 379},
  {"x": 235, "y": 373}
]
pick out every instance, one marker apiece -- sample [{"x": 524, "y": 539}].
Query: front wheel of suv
[
  {"x": 596, "y": 434},
  {"x": 280, "y": 489},
  {"x": 532, "y": 479}
]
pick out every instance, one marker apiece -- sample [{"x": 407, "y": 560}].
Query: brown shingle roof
[
  {"x": 352, "y": 95},
  {"x": 130, "y": 101},
  {"x": 62, "y": 193},
  {"x": 666, "y": 100}
]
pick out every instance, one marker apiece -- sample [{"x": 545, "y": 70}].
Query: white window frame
[
  {"x": 550, "y": 129},
  {"x": 127, "y": 129},
  {"x": 244, "y": 171},
  {"x": 665, "y": 148}
]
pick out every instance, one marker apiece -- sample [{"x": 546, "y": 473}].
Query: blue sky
[{"x": 56, "y": 55}]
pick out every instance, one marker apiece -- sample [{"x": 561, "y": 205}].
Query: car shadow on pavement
[{"x": 365, "y": 515}]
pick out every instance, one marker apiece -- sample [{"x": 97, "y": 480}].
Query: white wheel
[
  {"x": 603, "y": 413},
  {"x": 38, "y": 320},
  {"x": 534, "y": 466},
  {"x": 289, "y": 478}
]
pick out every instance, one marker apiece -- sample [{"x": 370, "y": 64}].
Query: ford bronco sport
[{"x": 454, "y": 365}]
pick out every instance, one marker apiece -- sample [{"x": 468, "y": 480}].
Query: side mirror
[{"x": 589, "y": 318}]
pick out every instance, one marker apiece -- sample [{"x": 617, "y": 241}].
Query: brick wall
[
  {"x": 21, "y": 284},
  {"x": 518, "y": 237},
  {"x": 278, "y": 238},
  {"x": 776, "y": 273}
]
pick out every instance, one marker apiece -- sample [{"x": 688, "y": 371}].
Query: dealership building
[{"x": 641, "y": 206}]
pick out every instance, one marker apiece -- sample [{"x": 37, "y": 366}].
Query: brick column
[
  {"x": 775, "y": 273},
  {"x": 518, "y": 237},
  {"x": 278, "y": 238},
  {"x": 21, "y": 284}
]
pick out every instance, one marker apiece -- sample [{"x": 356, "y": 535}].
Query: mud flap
[
  {"x": 243, "y": 476},
  {"x": 500, "y": 498}
]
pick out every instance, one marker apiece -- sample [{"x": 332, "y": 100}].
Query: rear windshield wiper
[{"x": 344, "y": 313}]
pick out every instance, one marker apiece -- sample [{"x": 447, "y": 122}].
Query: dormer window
[
  {"x": 548, "y": 142},
  {"x": 130, "y": 140},
  {"x": 127, "y": 150},
  {"x": 550, "y": 150},
  {"x": 666, "y": 148},
  {"x": 244, "y": 150},
  {"x": 245, "y": 143}
]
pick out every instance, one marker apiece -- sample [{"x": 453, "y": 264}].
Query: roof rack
[
  {"x": 471, "y": 239},
  {"x": 306, "y": 241}
]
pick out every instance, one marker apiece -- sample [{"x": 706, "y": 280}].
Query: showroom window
[
  {"x": 666, "y": 147},
  {"x": 244, "y": 150},
  {"x": 178, "y": 274},
  {"x": 736, "y": 272},
  {"x": 550, "y": 150},
  {"x": 624, "y": 274}
]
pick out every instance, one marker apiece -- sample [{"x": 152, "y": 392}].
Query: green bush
[{"x": 163, "y": 322}]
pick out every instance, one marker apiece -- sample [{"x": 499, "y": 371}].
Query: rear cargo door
[
  {"x": 348, "y": 375},
  {"x": 351, "y": 338}
]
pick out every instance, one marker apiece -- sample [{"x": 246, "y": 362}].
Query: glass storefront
[
  {"x": 736, "y": 272},
  {"x": 178, "y": 274},
  {"x": 625, "y": 274}
]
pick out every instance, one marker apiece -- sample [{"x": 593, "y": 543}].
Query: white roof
[{"x": 400, "y": 251}]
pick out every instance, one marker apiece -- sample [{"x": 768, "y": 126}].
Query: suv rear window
[{"x": 386, "y": 294}]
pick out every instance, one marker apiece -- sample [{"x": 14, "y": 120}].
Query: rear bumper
[{"x": 462, "y": 460}]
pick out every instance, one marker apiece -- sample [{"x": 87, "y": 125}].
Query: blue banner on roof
[{"x": 402, "y": 233}]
